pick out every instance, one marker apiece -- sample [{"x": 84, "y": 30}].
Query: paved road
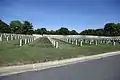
[{"x": 102, "y": 69}]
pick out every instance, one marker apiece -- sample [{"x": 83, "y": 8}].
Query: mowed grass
[{"x": 42, "y": 50}]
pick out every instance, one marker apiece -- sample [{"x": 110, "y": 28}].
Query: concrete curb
[{"x": 4, "y": 71}]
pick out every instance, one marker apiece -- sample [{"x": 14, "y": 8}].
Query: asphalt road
[{"x": 102, "y": 69}]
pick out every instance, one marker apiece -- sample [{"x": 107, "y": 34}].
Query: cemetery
[{"x": 18, "y": 49}]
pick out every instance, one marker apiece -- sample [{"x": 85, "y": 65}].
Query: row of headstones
[
  {"x": 7, "y": 37},
  {"x": 23, "y": 39},
  {"x": 53, "y": 42},
  {"x": 71, "y": 41},
  {"x": 7, "y": 34},
  {"x": 27, "y": 40},
  {"x": 94, "y": 41}
]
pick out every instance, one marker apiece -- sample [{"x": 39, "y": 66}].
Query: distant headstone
[
  {"x": 20, "y": 42},
  {"x": 90, "y": 42},
  {"x": 11, "y": 37},
  {"x": 28, "y": 40},
  {"x": 96, "y": 42},
  {"x": 7, "y": 38},
  {"x": 81, "y": 43},
  {"x": 72, "y": 42},
  {"x": 15, "y": 37},
  {"x": 25, "y": 41},
  {"x": 114, "y": 43},
  {"x": 0, "y": 38},
  {"x": 56, "y": 44},
  {"x": 76, "y": 42}
]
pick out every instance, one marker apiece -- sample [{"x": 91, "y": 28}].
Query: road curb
[{"x": 5, "y": 71}]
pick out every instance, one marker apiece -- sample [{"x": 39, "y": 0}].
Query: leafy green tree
[
  {"x": 73, "y": 32},
  {"x": 37, "y": 31},
  {"x": 16, "y": 27},
  {"x": 62, "y": 31},
  {"x": 4, "y": 28},
  {"x": 112, "y": 29},
  {"x": 108, "y": 29},
  {"x": 27, "y": 27},
  {"x": 118, "y": 29},
  {"x": 41, "y": 31},
  {"x": 99, "y": 32},
  {"x": 51, "y": 32},
  {"x": 88, "y": 32}
]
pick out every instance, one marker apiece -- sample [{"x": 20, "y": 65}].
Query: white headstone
[
  {"x": 18, "y": 37},
  {"x": 96, "y": 42},
  {"x": 0, "y": 38},
  {"x": 15, "y": 37},
  {"x": 34, "y": 38},
  {"x": 5, "y": 35},
  {"x": 25, "y": 41},
  {"x": 1, "y": 35},
  {"x": 11, "y": 37},
  {"x": 56, "y": 44},
  {"x": 31, "y": 39},
  {"x": 69, "y": 41},
  {"x": 72, "y": 42},
  {"x": 76, "y": 42},
  {"x": 90, "y": 42},
  {"x": 20, "y": 42},
  {"x": 81, "y": 42},
  {"x": 7, "y": 38},
  {"x": 114, "y": 43},
  {"x": 28, "y": 40},
  {"x": 101, "y": 41}
]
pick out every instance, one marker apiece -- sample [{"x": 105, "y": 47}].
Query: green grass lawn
[{"x": 42, "y": 50}]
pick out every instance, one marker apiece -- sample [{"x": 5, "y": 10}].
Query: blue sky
[{"x": 53, "y": 14}]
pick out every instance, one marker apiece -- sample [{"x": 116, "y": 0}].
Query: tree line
[
  {"x": 25, "y": 27},
  {"x": 110, "y": 29}
]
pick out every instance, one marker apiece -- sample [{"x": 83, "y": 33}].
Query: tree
[
  {"x": 108, "y": 29},
  {"x": 62, "y": 31},
  {"x": 112, "y": 29},
  {"x": 38, "y": 31},
  {"x": 118, "y": 29},
  {"x": 41, "y": 31},
  {"x": 73, "y": 32},
  {"x": 88, "y": 32},
  {"x": 27, "y": 27},
  {"x": 16, "y": 27},
  {"x": 4, "y": 28},
  {"x": 51, "y": 32},
  {"x": 100, "y": 32}
]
